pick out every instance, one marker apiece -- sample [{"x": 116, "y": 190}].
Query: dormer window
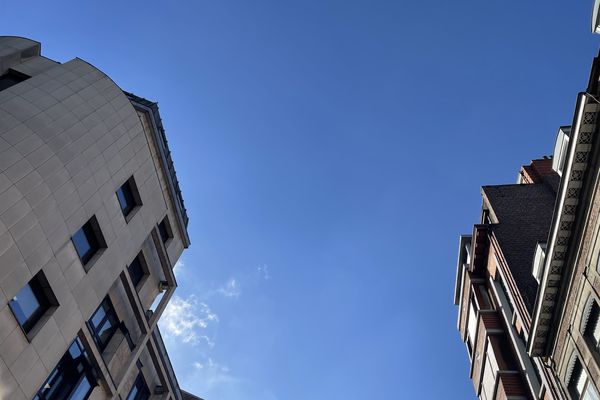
[
  {"x": 538, "y": 261},
  {"x": 560, "y": 149}
]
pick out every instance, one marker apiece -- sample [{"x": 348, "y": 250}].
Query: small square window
[
  {"x": 104, "y": 323},
  {"x": 129, "y": 197},
  {"x": 138, "y": 269},
  {"x": 88, "y": 240},
  {"x": 164, "y": 228},
  {"x": 11, "y": 78},
  {"x": 140, "y": 390},
  {"x": 32, "y": 302}
]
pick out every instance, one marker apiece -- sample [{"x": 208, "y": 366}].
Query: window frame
[
  {"x": 95, "y": 240},
  {"x": 574, "y": 382},
  {"x": 46, "y": 302},
  {"x": 143, "y": 266},
  {"x": 165, "y": 231},
  {"x": 76, "y": 369},
  {"x": 11, "y": 78},
  {"x": 143, "y": 392},
  {"x": 131, "y": 195},
  {"x": 110, "y": 315}
]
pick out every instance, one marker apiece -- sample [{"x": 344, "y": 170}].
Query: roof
[
  {"x": 189, "y": 396},
  {"x": 524, "y": 214},
  {"x": 166, "y": 159}
]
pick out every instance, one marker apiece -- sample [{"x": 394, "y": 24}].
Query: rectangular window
[
  {"x": 32, "y": 302},
  {"x": 73, "y": 378},
  {"x": 140, "y": 390},
  {"x": 472, "y": 324},
  {"x": 88, "y": 240},
  {"x": 137, "y": 269},
  {"x": 104, "y": 323},
  {"x": 129, "y": 197},
  {"x": 11, "y": 78},
  {"x": 165, "y": 230},
  {"x": 580, "y": 386}
]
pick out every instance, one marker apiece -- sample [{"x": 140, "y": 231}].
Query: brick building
[
  {"x": 528, "y": 278},
  {"x": 92, "y": 222}
]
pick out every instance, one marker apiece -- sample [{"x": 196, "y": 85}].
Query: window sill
[
  {"x": 37, "y": 327},
  {"x": 88, "y": 265},
  {"x": 141, "y": 283},
  {"x": 132, "y": 213}
]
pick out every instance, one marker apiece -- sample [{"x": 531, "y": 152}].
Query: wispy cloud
[
  {"x": 210, "y": 375},
  {"x": 230, "y": 289},
  {"x": 186, "y": 319},
  {"x": 264, "y": 272}
]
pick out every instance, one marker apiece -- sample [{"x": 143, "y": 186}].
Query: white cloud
[
  {"x": 185, "y": 319},
  {"x": 211, "y": 374},
  {"x": 230, "y": 289}
]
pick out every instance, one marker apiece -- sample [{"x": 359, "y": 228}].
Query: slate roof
[
  {"x": 189, "y": 396},
  {"x": 524, "y": 215}
]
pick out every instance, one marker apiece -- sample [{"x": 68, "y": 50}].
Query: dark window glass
[
  {"x": 165, "y": 230},
  {"x": 140, "y": 390},
  {"x": 29, "y": 304},
  {"x": 104, "y": 323},
  {"x": 86, "y": 240},
  {"x": 125, "y": 199},
  {"x": 592, "y": 328},
  {"x": 128, "y": 197},
  {"x": 73, "y": 378},
  {"x": 136, "y": 271},
  {"x": 11, "y": 78}
]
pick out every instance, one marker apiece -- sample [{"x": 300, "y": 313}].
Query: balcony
[
  {"x": 480, "y": 245},
  {"x": 495, "y": 372}
]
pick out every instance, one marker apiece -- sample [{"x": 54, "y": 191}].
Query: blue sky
[{"x": 330, "y": 153}]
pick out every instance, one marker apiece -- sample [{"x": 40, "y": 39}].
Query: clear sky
[{"x": 330, "y": 153}]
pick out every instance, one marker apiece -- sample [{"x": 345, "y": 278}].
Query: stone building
[
  {"x": 528, "y": 278},
  {"x": 92, "y": 222}
]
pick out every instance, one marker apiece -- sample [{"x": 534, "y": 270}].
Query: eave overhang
[
  {"x": 166, "y": 162},
  {"x": 562, "y": 229}
]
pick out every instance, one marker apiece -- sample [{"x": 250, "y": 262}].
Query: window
[
  {"x": 140, "y": 390},
  {"x": 32, "y": 302},
  {"x": 580, "y": 386},
  {"x": 88, "y": 240},
  {"x": 590, "y": 327},
  {"x": 137, "y": 269},
  {"x": 165, "y": 230},
  {"x": 74, "y": 377},
  {"x": 11, "y": 78},
  {"x": 128, "y": 197},
  {"x": 471, "y": 326},
  {"x": 538, "y": 261},
  {"x": 104, "y": 323}
]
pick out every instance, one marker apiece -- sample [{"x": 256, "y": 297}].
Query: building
[
  {"x": 92, "y": 222},
  {"x": 527, "y": 282}
]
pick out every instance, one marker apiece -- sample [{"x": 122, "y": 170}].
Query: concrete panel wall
[{"x": 69, "y": 138}]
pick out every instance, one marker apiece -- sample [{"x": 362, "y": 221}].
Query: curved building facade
[{"x": 92, "y": 222}]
